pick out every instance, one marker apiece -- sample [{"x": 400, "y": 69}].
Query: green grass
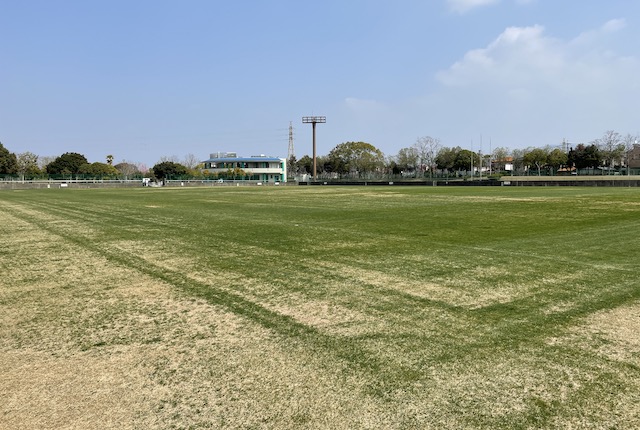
[{"x": 324, "y": 307}]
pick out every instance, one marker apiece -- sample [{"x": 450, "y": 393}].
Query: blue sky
[{"x": 144, "y": 79}]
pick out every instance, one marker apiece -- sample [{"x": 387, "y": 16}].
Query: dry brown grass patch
[
  {"x": 120, "y": 349},
  {"x": 611, "y": 333},
  {"x": 467, "y": 291}
]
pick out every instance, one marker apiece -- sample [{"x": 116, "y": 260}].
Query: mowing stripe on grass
[{"x": 424, "y": 298}]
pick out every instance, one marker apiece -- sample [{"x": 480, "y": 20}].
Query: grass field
[{"x": 320, "y": 307}]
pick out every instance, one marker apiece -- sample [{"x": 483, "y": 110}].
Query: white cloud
[
  {"x": 526, "y": 57},
  {"x": 614, "y": 25},
  {"x": 528, "y": 83},
  {"x": 592, "y": 37},
  {"x": 519, "y": 54}
]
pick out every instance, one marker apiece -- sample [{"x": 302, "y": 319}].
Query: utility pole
[{"x": 313, "y": 120}]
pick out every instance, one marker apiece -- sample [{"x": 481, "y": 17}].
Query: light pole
[{"x": 313, "y": 120}]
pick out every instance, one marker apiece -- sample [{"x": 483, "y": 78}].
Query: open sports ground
[{"x": 320, "y": 307}]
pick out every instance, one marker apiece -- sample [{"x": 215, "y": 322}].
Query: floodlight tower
[{"x": 313, "y": 120}]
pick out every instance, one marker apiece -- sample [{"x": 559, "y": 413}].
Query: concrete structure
[{"x": 227, "y": 165}]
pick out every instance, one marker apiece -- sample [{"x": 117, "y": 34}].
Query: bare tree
[
  {"x": 518, "y": 158},
  {"x": 127, "y": 168},
  {"x": 407, "y": 159},
  {"x": 44, "y": 160},
  {"x": 427, "y": 148},
  {"x": 191, "y": 161},
  {"x": 611, "y": 148},
  {"x": 172, "y": 159},
  {"x": 27, "y": 164},
  {"x": 142, "y": 167}
]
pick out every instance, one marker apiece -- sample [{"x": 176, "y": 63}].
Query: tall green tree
[
  {"x": 392, "y": 166},
  {"x": 536, "y": 157},
  {"x": 98, "y": 170},
  {"x": 583, "y": 157},
  {"x": 168, "y": 169},
  {"x": 8, "y": 161},
  {"x": 356, "y": 157},
  {"x": 466, "y": 160},
  {"x": 67, "y": 163},
  {"x": 305, "y": 164},
  {"x": 446, "y": 158},
  {"x": 557, "y": 158}
]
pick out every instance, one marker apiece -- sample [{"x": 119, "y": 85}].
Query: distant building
[
  {"x": 259, "y": 168},
  {"x": 503, "y": 164}
]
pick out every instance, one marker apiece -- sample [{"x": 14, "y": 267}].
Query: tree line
[
  {"x": 28, "y": 165},
  {"x": 427, "y": 157},
  {"x": 72, "y": 165}
]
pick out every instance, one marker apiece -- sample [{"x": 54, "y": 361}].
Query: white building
[{"x": 227, "y": 165}]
